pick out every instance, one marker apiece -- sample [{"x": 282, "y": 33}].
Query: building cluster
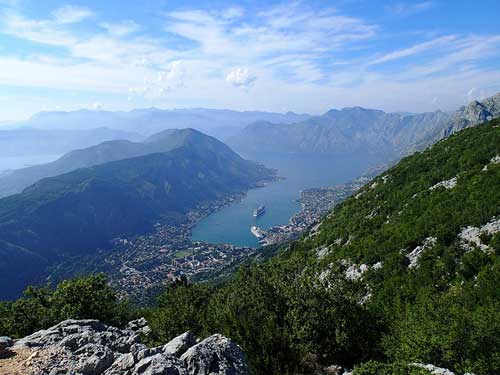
[
  {"x": 316, "y": 203},
  {"x": 148, "y": 261}
]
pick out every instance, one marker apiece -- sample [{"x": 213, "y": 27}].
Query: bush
[
  {"x": 80, "y": 298},
  {"x": 379, "y": 368},
  {"x": 180, "y": 308}
]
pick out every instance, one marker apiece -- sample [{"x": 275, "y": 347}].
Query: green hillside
[{"x": 389, "y": 279}]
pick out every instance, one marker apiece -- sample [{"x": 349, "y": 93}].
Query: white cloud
[
  {"x": 415, "y": 49},
  {"x": 409, "y": 8},
  {"x": 232, "y": 13},
  {"x": 39, "y": 31},
  {"x": 71, "y": 14},
  {"x": 240, "y": 77},
  {"x": 121, "y": 28}
]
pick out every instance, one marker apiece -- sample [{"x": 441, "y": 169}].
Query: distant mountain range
[
  {"x": 217, "y": 122},
  {"x": 358, "y": 129},
  {"x": 29, "y": 141},
  {"x": 81, "y": 211}
]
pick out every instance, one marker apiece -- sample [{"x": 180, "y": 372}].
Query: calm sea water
[{"x": 232, "y": 224}]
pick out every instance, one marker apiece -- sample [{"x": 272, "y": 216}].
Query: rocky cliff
[
  {"x": 88, "y": 347},
  {"x": 474, "y": 113}
]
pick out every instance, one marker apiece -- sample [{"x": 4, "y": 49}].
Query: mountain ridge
[
  {"x": 356, "y": 128},
  {"x": 147, "y": 121}
]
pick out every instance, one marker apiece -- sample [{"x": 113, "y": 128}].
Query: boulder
[
  {"x": 147, "y": 352},
  {"x": 180, "y": 344},
  {"x": 93, "y": 359},
  {"x": 123, "y": 365},
  {"x": 139, "y": 326},
  {"x": 159, "y": 364},
  {"x": 215, "y": 355},
  {"x": 332, "y": 370}
]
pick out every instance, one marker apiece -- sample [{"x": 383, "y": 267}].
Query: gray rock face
[
  {"x": 122, "y": 365},
  {"x": 180, "y": 344},
  {"x": 74, "y": 334},
  {"x": 159, "y": 364},
  {"x": 473, "y": 114},
  {"x": 88, "y": 347},
  {"x": 215, "y": 355},
  {"x": 139, "y": 326},
  {"x": 94, "y": 359}
]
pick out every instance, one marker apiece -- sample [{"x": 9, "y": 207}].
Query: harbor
[{"x": 315, "y": 203}]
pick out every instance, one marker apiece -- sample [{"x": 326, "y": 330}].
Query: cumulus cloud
[
  {"x": 173, "y": 76},
  {"x": 240, "y": 77},
  {"x": 157, "y": 84}
]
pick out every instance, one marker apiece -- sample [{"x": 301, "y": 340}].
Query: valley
[
  {"x": 232, "y": 224},
  {"x": 75, "y": 214},
  {"x": 138, "y": 267}
]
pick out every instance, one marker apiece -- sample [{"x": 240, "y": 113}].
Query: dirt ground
[{"x": 16, "y": 363}]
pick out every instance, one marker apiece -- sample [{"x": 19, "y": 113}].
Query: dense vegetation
[
  {"x": 80, "y": 298},
  {"x": 304, "y": 310},
  {"x": 299, "y": 311}
]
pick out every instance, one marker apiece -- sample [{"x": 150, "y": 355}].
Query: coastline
[{"x": 315, "y": 204}]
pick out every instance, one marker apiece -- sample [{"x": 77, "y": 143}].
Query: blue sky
[{"x": 305, "y": 56}]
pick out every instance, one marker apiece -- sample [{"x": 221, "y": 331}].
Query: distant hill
[
  {"x": 30, "y": 141},
  {"x": 15, "y": 181},
  {"x": 358, "y": 129},
  {"x": 80, "y": 211},
  {"x": 217, "y": 122}
]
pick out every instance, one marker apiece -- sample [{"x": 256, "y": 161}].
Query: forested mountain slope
[{"x": 407, "y": 271}]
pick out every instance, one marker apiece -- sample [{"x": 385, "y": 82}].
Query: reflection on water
[{"x": 232, "y": 224}]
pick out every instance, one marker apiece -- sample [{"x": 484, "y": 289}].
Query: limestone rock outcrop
[{"x": 89, "y": 347}]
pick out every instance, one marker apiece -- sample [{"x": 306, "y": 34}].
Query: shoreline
[{"x": 315, "y": 204}]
